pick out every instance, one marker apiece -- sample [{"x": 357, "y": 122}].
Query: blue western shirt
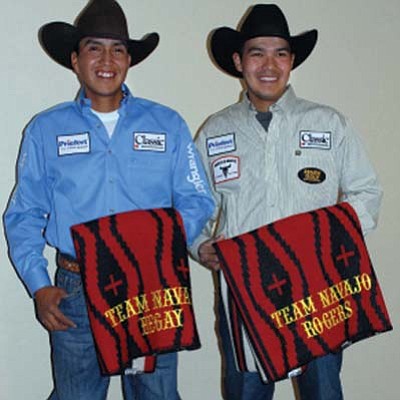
[{"x": 70, "y": 171}]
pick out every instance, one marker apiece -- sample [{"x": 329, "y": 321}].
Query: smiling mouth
[
  {"x": 268, "y": 79},
  {"x": 105, "y": 74}
]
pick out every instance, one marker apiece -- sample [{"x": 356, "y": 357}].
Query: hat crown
[
  {"x": 103, "y": 18},
  {"x": 265, "y": 20}
]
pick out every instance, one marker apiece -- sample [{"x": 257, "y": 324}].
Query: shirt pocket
[
  {"x": 150, "y": 170},
  {"x": 315, "y": 178}
]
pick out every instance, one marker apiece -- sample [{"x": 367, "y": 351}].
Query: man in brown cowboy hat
[
  {"x": 105, "y": 153},
  {"x": 257, "y": 153}
]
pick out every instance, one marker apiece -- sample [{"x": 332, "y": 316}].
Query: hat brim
[
  {"x": 60, "y": 39},
  {"x": 226, "y": 41}
]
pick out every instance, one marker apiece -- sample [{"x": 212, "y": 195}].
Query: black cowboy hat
[
  {"x": 262, "y": 20},
  {"x": 100, "y": 18}
]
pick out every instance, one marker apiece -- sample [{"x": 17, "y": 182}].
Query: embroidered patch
[
  {"x": 221, "y": 144},
  {"x": 226, "y": 169},
  {"x": 146, "y": 141},
  {"x": 315, "y": 140},
  {"x": 311, "y": 175},
  {"x": 77, "y": 143}
]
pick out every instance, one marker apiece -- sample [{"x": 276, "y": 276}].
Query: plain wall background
[{"x": 353, "y": 68}]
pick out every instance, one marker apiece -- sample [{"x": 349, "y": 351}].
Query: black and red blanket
[
  {"x": 304, "y": 287},
  {"x": 135, "y": 273}
]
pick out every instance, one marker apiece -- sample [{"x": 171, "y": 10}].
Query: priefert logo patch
[{"x": 78, "y": 143}]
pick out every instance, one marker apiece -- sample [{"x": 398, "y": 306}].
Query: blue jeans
[
  {"x": 320, "y": 381},
  {"x": 75, "y": 367}
]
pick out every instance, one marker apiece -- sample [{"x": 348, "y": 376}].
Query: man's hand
[
  {"x": 207, "y": 254},
  {"x": 47, "y": 300}
]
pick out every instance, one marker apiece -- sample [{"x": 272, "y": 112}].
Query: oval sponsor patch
[{"x": 311, "y": 175}]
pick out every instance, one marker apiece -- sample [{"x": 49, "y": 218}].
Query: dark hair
[
  {"x": 77, "y": 45},
  {"x": 241, "y": 48},
  {"x": 76, "y": 48}
]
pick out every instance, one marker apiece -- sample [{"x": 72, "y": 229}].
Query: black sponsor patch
[{"x": 311, "y": 175}]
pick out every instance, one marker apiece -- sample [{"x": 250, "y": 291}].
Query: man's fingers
[
  {"x": 62, "y": 320},
  {"x": 208, "y": 255},
  {"x": 47, "y": 301},
  {"x": 51, "y": 323},
  {"x": 215, "y": 266}
]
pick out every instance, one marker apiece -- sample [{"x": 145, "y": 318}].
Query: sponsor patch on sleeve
[
  {"x": 148, "y": 141},
  {"x": 76, "y": 143},
  {"x": 226, "y": 168},
  {"x": 315, "y": 140},
  {"x": 221, "y": 144},
  {"x": 311, "y": 175}
]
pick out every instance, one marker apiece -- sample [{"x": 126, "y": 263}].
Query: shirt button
[
  {"x": 109, "y": 151},
  {"x": 111, "y": 180},
  {"x": 112, "y": 211}
]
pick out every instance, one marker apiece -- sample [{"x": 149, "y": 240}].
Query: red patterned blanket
[
  {"x": 304, "y": 287},
  {"x": 135, "y": 273}
]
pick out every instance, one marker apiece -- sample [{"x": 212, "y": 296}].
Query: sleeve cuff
[{"x": 37, "y": 279}]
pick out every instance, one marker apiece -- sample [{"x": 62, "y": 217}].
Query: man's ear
[
  {"x": 74, "y": 61},
  {"x": 237, "y": 61}
]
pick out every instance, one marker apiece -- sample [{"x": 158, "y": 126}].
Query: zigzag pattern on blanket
[
  {"x": 304, "y": 286},
  {"x": 136, "y": 277}
]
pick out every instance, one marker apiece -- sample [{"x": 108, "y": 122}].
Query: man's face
[
  {"x": 101, "y": 66},
  {"x": 265, "y": 63}
]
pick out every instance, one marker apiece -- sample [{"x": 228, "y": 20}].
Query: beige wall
[{"x": 354, "y": 68}]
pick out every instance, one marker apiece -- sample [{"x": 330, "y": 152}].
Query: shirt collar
[
  {"x": 285, "y": 102},
  {"x": 84, "y": 104}
]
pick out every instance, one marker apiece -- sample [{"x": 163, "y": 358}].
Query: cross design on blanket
[
  {"x": 344, "y": 255},
  {"x": 184, "y": 270},
  {"x": 277, "y": 285},
  {"x": 113, "y": 285}
]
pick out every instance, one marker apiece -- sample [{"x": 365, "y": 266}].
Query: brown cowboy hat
[
  {"x": 261, "y": 20},
  {"x": 100, "y": 18}
]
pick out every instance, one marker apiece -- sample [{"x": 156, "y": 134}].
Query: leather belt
[{"x": 68, "y": 263}]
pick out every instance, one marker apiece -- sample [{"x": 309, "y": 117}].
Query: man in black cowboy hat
[
  {"x": 270, "y": 156},
  {"x": 105, "y": 153}
]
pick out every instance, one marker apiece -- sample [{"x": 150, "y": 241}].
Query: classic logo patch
[
  {"x": 77, "y": 143},
  {"x": 315, "y": 140},
  {"x": 312, "y": 175},
  {"x": 221, "y": 144},
  {"x": 226, "y": 169},
  {"x": 145, "y": 141}
]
